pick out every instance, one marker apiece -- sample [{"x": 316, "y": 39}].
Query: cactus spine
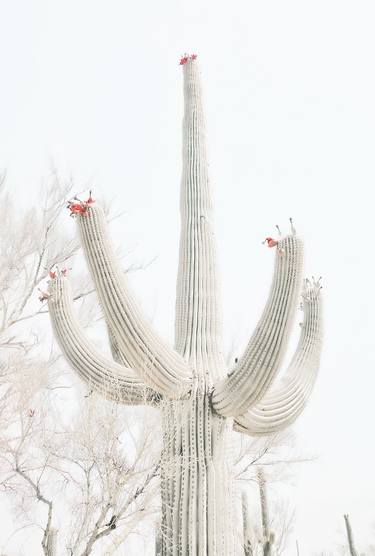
[{"x": 197, "y": 398}]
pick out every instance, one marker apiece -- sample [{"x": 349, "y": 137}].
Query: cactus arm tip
[
  {"x": 257, "y": 368},
  {"x": 158, "y": 364},
  {"x": 187, "y": 58}
]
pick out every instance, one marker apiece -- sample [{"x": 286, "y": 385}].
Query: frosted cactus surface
[{"x": 201, "y": 402}]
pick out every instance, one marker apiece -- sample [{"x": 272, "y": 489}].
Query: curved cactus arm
[
  {"x": 281, "y": 407},
  {"x": 256, "y": 370},
  {"x": 107, "y": 377},
  {"x": 197, "y": 322},
  {"x": 159, "y": 365}
]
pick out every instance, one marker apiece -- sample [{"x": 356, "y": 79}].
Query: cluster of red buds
[
  {"x": 57, "y": 272},
  {"x": 52, "y": 274},
  {"x": 76, "y": 206},
  {"x": 186, "y": 57},
  {"x": 271, "y": 242}
]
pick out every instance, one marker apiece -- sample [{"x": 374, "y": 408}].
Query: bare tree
[
  {"x": 49, "y": 462},
  {"x": 30, "y": 243}
]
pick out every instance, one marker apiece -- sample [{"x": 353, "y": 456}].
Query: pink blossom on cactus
[{"x": 271, "y": 242}]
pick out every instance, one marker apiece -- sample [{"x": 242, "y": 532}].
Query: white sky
[{"x": 289, "y": 92}]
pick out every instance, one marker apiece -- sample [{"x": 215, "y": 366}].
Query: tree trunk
[
  {"x": 196, "y": 483},
  {"x": 52, "y": 542}
]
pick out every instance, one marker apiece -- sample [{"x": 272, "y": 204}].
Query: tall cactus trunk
[{"x": 196, "y": 482}]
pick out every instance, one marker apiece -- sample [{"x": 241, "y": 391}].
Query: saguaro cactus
[{"x": 199, "y": 401}]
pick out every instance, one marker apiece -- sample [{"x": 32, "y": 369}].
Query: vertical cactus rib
[
  {"x": 257, "y": 368},
  {"x": 159, "y": 365},
  {"x": 158, "y": 542},
  {"x": 112, "y": 380},
  {"x": 197, "y": 324},
  {"x": 281, "y": 406}
]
